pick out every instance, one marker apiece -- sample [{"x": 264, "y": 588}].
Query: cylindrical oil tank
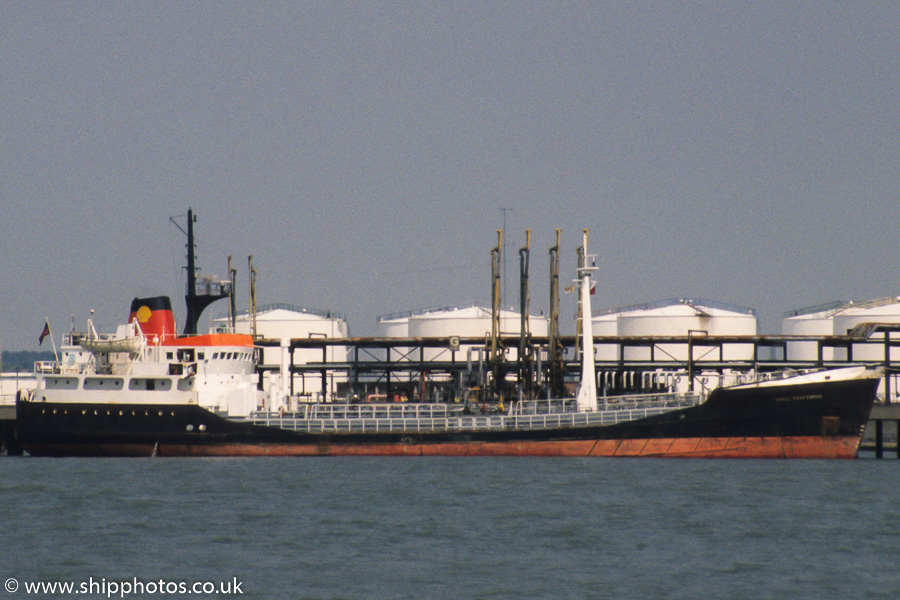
[
  {"x": 397, "y": 327},
  {"x": 287, "y": 321},
  {"x": 809, "y": 322},
  {"x": 473, "y": 321},
  {"x": 606, "y": 325},
  {"x": 689, "y": 317},
  {"x": 885, "y": 311}
]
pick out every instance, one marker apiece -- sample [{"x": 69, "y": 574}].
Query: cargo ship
[{"x": 149, "y": 392}]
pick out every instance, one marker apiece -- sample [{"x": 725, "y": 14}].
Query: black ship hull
[{"x": 814, "y": 420}]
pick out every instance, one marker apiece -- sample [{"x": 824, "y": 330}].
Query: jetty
[{"x": 880, "y": 436}]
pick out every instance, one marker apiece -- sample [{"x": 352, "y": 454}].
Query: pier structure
[
  {"x": 8, "y": 443},
  {"x": 882, "y": 430},
  {"x": 387, "y": 366}
]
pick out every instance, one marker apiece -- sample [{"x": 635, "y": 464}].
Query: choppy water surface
[{"x": 456, "y": 528}]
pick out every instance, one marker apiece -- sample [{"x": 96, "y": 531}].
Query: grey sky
[{"x": 744, "y": 152}]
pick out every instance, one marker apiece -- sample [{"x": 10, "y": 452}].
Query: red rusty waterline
[{"x": 725, "y": 447}]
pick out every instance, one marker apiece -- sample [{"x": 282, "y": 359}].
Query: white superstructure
[{"x": 215, "y": 372}]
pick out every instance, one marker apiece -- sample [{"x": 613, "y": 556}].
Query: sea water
[{"x": 450, "y": 528}]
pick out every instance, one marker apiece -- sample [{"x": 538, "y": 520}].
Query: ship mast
[
  {"x": 587, "y": 390},
  {"x": 497, "y": 362},
  {"x": 252, "y": 295},
  {"x": 525, "y": 357},
  {"x": 554, "y": 350},
  {"x": 232, "y": 308},
  {"x": 197, "y": 302}
]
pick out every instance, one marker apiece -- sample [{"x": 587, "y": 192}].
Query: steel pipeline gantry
[{"x": 415, "y": 366}]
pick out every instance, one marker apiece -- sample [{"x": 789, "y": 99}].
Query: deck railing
[{"x": 415, "y": 418}]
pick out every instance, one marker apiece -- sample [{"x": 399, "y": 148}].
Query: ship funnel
[{"x": 154, "y": 315}]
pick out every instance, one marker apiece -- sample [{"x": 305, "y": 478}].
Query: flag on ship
[
  {"x": 44, "y": 333},
  {"x": 571, "y": 289}
]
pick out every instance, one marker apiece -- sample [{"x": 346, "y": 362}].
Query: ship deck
[{"x": 405, "y": 418}]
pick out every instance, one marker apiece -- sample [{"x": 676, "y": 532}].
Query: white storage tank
[
  {"x": 683, "y": 317},
  {"x": 606, "y": 325},
  {"x": 841, "y": 318},
  {"x": 464, "y": 322},
  {"x": 474, "y": 321},
  {"x": 883, "y": 311},
  {"x": 812, "y": 321},
  {"x": 285, "y": 322},
  {"x": 393, "y": 326}
]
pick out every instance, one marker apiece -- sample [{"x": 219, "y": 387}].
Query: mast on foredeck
[{"x": 587, "y": 390}]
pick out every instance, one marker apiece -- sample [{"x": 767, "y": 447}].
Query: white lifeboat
[{"x": 132, "y": 342}]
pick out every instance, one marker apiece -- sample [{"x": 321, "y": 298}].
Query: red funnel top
[{"x": 154, "y": 315}]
